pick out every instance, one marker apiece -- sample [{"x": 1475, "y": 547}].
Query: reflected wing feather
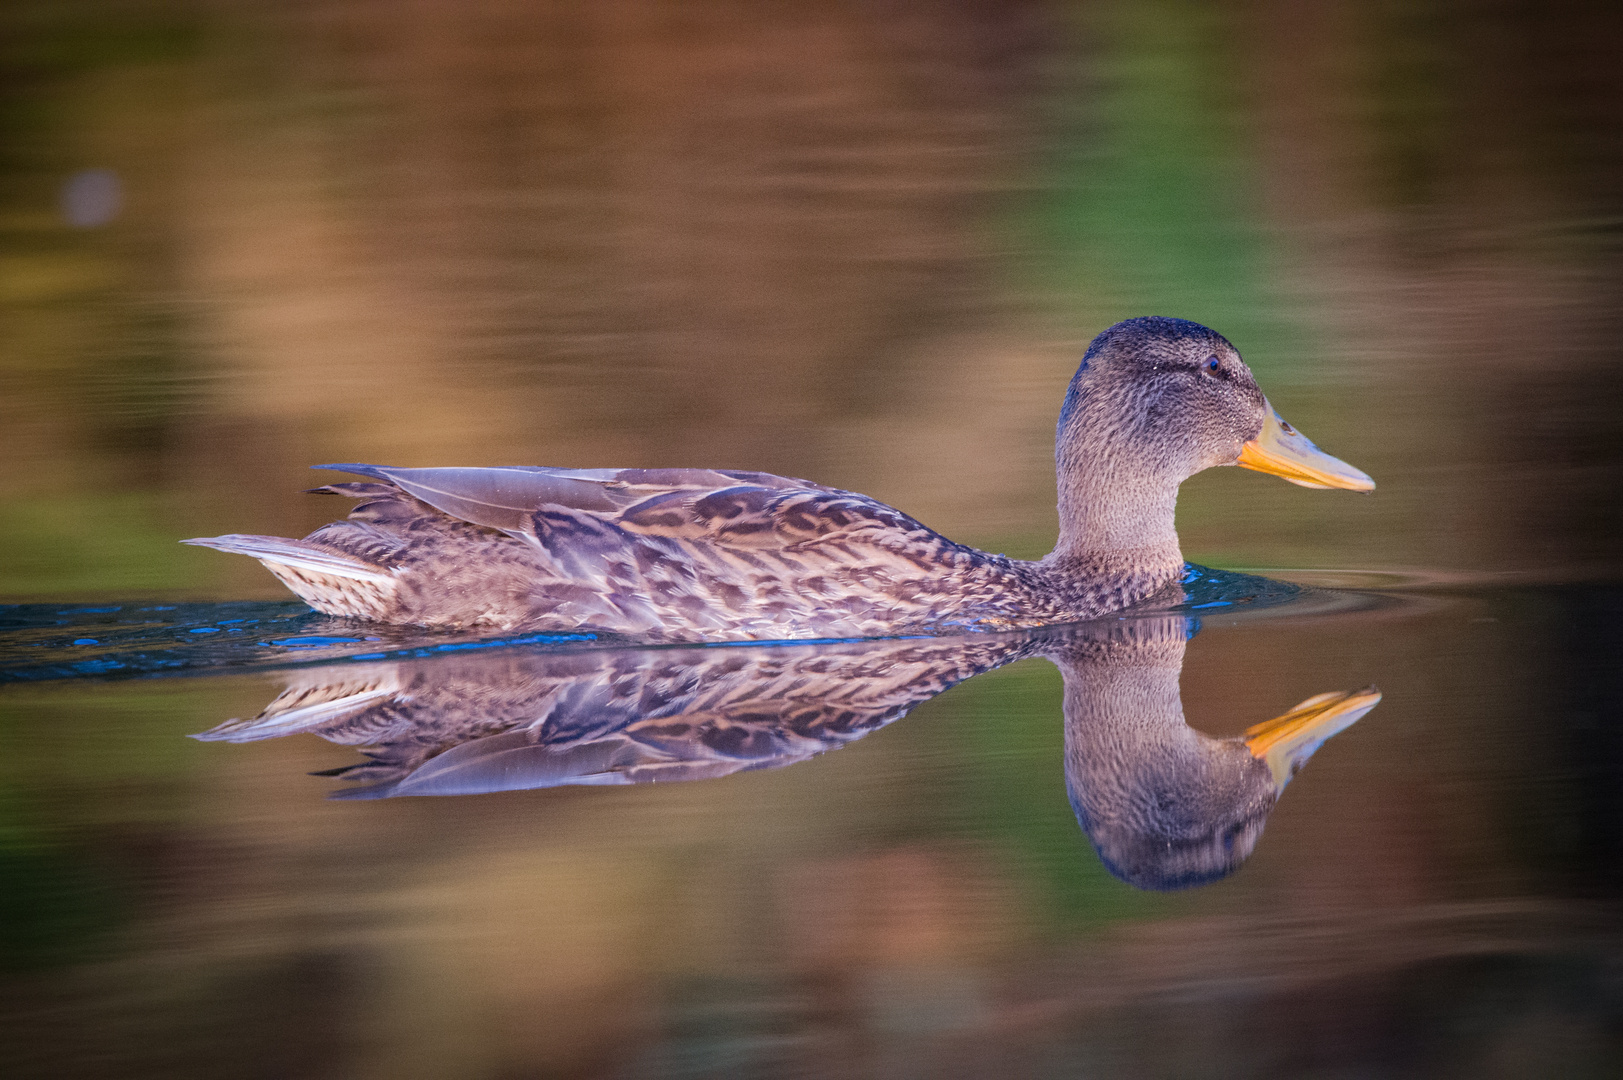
[{"x": 482, "y": 724}]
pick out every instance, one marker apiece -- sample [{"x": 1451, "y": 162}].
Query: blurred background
[
  {"x": 860, "y": 242},
  {"x": 863, "y": 242}
]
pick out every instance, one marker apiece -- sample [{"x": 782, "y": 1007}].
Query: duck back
[{"x": 661, "y": 554}]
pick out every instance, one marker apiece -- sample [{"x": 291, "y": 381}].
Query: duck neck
[
  {"x": 1121, "y": 683},
  {"x": 1113, "y": 518},
  {"x": 1124, "y": 723}
]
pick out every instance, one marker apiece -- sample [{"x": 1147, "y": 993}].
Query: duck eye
[{"x": 1212, "y": 365}]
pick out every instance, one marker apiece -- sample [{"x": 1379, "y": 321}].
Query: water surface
[{"x": 866, "y": 864}]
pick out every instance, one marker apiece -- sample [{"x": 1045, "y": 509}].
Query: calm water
[
  {"x": 1039, "y": 872},
  {"x": 865, "y": 244}
]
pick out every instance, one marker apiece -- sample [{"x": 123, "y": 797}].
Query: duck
[
  {"x": 693, "y": 555},
  {"x": 493, "y": 720},
  {"x": 1165, "y": 806}
]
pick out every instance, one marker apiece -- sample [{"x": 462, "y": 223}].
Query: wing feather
[
  {"x": 504, "y": 497},
  {"x": 734, "y": 509}
]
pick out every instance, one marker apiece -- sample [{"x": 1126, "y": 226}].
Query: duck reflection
[{"x": 1165, "y": 806}]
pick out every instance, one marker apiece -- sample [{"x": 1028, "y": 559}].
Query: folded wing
[{"x": 505, "y": 497}]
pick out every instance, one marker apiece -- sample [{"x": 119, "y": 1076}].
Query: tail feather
[
  {"x": 327, "y": 580},
  {"x": 298, "y": 554},
  {"x": 313, "y": 703}
]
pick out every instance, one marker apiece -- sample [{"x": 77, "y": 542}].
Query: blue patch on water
[{"x": 85, "y": 641}]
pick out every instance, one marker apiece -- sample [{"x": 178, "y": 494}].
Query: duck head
[
  {"x": 1155, "y": 401},
  {"x": 1165, "y": 806}
]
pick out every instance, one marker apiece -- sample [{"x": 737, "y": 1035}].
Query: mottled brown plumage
[
  {"x": 1165, "y": 806},
  {"x": 692, "y": 554},
  {"x": 523, "y": 719}
]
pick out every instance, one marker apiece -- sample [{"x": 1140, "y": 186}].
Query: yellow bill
[
  {"x": 1286, "y": 452},
  {"x": 1286, "y": 742}
]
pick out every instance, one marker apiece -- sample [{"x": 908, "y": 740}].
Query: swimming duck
[
  {"x": 1165, "y": 806},
  {"x": 696, "y": 554},
  {"x": 505, "y": 720}
]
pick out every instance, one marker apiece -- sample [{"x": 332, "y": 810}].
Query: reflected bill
[{"x": 1165, "y": 806}]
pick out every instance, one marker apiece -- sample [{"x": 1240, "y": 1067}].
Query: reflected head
[{"x": 1150, "y": 852}]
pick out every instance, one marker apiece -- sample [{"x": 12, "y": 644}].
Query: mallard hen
[{"x": 700, "y": 555}]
